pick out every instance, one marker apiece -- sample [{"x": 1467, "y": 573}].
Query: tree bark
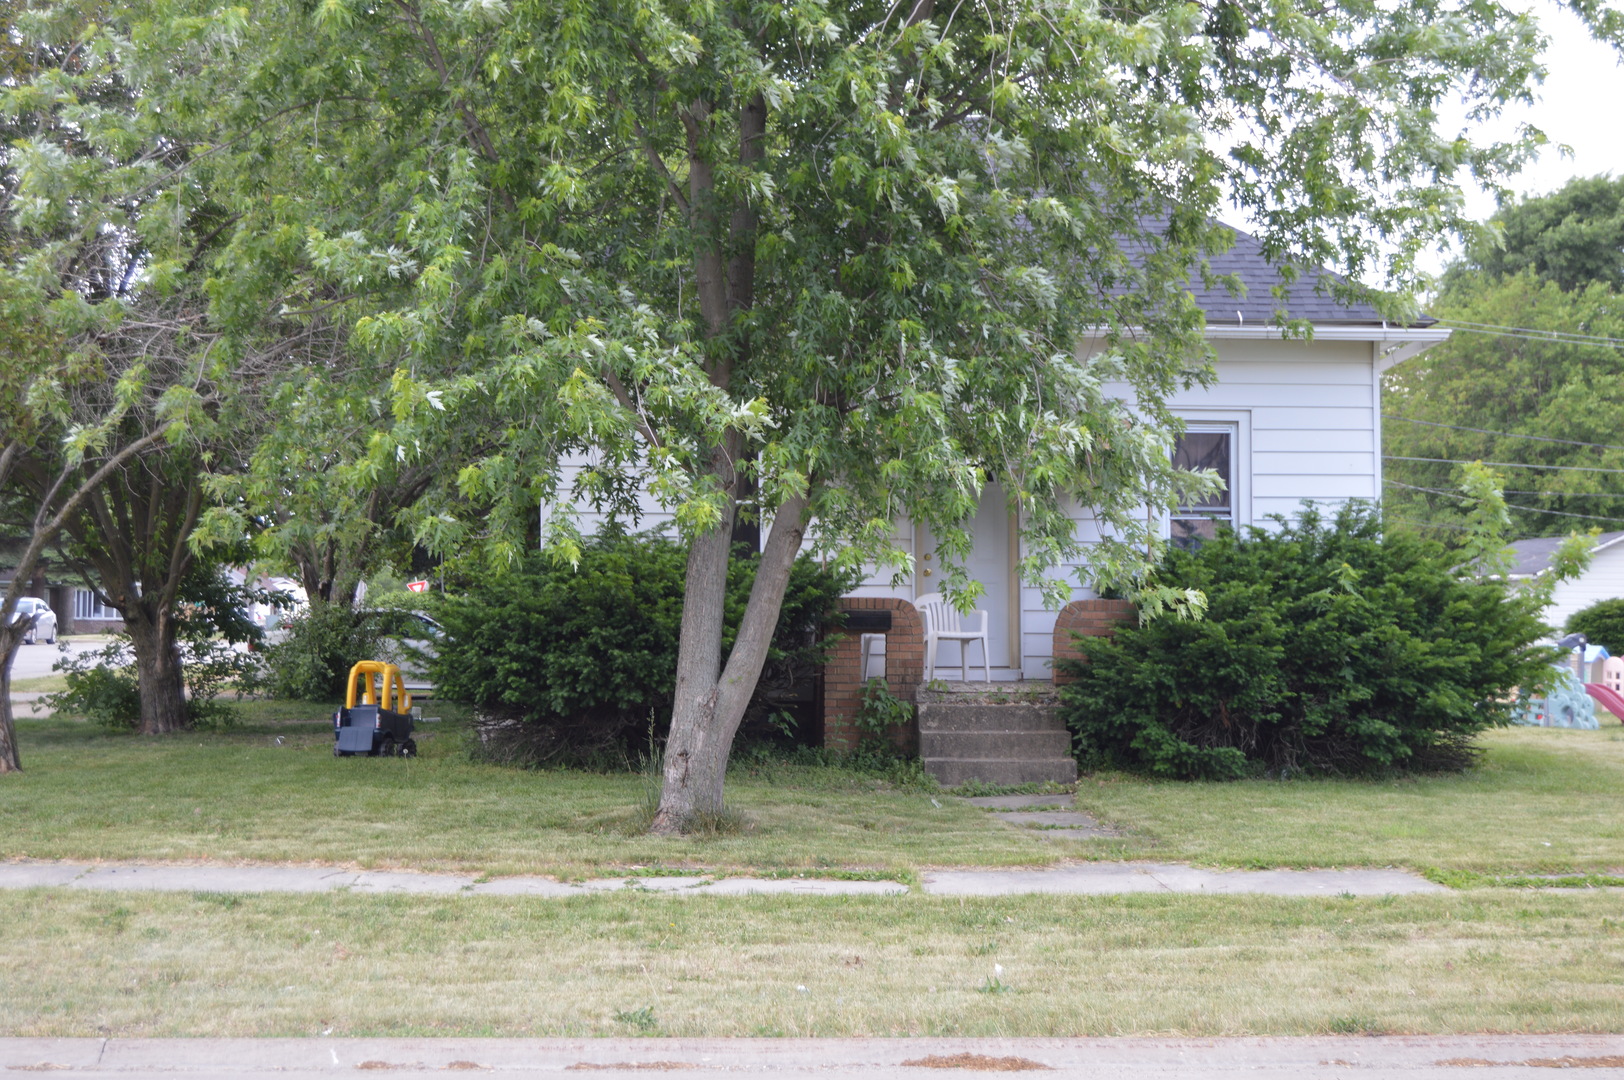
[
  {"x": 710, "y": 699},
  {"x": 160, "y": 675},
  {"x": 11, "y": 638}
]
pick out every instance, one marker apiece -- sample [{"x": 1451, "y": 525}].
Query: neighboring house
[
  {"x": 1288, "y": 421},
  {"x": 1603, "y": 579}
]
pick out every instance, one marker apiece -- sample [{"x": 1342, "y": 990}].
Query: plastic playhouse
[
  {"x": 376, "y": 719},
  {"x": 1572, "y": 699}
]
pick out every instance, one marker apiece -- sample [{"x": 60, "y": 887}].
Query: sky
[{"x": 1579, "y": 105}]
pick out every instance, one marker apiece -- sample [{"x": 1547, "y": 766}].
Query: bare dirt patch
[
  {"x": 662, "y": 1066},
  {"x": 979, "y": 1062}
]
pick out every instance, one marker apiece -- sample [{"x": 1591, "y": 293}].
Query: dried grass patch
[{"x": 979, "y": 1062}]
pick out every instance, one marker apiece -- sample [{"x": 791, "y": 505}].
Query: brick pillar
[
  {"x": 843, "y": 677},
  {"x": 1087, "y": 618}
]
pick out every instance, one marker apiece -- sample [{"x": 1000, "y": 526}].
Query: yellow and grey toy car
[{"x": 376, "y": 719}]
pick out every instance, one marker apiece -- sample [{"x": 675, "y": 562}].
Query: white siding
[
  {"x": 1306, "y": 414},
  {"x": 1604, "y": 580}
]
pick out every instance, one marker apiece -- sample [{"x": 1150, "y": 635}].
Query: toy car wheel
[
  {"x": 408, "y": 748},
  {"x": 388, "y": 747}
]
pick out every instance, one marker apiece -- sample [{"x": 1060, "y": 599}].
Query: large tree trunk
[
  {"x": 710, "y": 700},
  {"x": 158, "y": 667},
  {"x": 11, "y": 637}
]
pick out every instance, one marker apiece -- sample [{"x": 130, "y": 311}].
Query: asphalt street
[{"x": 34, "y": 661}]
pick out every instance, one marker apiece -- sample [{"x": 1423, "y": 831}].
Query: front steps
[{"x": 997, "y": 733}]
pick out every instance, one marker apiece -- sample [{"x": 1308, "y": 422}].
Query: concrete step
[
  {"x": 934, "y": 716},
  {"x": 985, "y": 693},
  {"x": 951, "y": 772},
  {"x": 991, "y": 745}
]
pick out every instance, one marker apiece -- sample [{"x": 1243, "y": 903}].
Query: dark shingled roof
[
  {"x": 1309, "y": 297},
  {"x": 1534, "y": 556}
]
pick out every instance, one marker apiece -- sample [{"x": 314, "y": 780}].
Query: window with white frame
[
  {"x": 88, "y": 605},
  {"x": 1205, "y": 447}
]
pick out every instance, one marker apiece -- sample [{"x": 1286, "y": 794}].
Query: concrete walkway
[
  {"x": 1391, "y": 1057},
  {"x": 1093, "y": 879}
]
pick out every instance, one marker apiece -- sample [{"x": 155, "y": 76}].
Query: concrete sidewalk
[
  {"x": 1396, "y": 1057},
  {"x": 1091, "y": 879}
]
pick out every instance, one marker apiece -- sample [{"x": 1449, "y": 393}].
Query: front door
[{"x": 991, "y": 564}]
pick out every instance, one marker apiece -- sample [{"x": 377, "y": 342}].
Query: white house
[
  {"x": 1288, "y": 420},
  {"x": 1603, "y": 579}
]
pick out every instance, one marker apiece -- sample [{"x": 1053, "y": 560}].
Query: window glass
[{"x": 1201, "y": 519}]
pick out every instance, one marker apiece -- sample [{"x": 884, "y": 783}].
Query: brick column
[
  {"x": 842, "y": 675},
  {"x": 1087, "y": 618}
]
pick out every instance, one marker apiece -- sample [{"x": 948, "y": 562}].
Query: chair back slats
[{"x": 939, "y": 614}]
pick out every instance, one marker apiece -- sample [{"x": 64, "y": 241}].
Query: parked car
[
  {"x": 43, "y": 620},
  {"x": 410, "y": 640}
]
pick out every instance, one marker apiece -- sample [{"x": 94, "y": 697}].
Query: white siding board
[
  {"x": 1252, "y": 373},
  {"x": 1315, "y": 486},
  {"x": 1313, "y": 463},
  {"x": 1279, "y": 395},
  {"x": 1290, "y": 505},
  {"x": 1274, "y": 440}
]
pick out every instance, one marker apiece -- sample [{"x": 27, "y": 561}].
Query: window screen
[{"x": 1200, "y": 520}]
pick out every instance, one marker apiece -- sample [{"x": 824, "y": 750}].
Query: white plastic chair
[
  {"x": 872, "y": 649},
  {"x": 943, "y": 623}
]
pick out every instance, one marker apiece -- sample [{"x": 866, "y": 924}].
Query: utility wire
[
  {"x": 1504, "y": 464},
  {"x": 1429, "y": 524},
  {"x": 1530, "y": 333},
  {"x": 1566, "y": 494},
  {"x": 1505, "y": 434},
  {"x": 1509, "y": 506}
]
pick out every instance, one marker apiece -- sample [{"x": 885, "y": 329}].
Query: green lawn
[
  {"x": 239, "y": 796},
  {"x": 134, "y": 964},
  {"x": 1543, "y": 801}
]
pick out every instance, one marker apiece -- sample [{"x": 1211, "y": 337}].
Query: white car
[
  {"x": 409, "y": 640},
  {"x": 39, "y": 613}
]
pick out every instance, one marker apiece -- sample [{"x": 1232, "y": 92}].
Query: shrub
[
  {"x": 1326, "y": 648},
  {"x": 1602, "y": 623},
  {"x": 578, "y": 664},
  {"x": 314, "y": 660},
  {"x": 103, "y": 688}
]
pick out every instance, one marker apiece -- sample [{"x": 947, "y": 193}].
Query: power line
[
  {"x": 1506, "y": 434},
  {"x": 1509, "y": 506},
  {"x": 1529, "y": 333},
  {"x": 1429, "y": 524},
  {"x": 1504, "y": 464},
  {"x": 1566, "y": 494}
]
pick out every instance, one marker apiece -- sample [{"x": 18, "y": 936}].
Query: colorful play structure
[{"x": 1572, "y": 700}]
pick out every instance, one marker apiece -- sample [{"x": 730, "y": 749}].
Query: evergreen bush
[
  {"x": 1326, "y": 648},
  {"x": 312, "y": 663},
  {"x": 1602, "y": 623},
  {"x": 579, "y": 664}
]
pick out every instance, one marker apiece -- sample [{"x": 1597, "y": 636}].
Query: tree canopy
[
  {"x": 1533, "y": 374},
  {"x": 1573, "y": 236},
  {"x": 823, "y": 265}
]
